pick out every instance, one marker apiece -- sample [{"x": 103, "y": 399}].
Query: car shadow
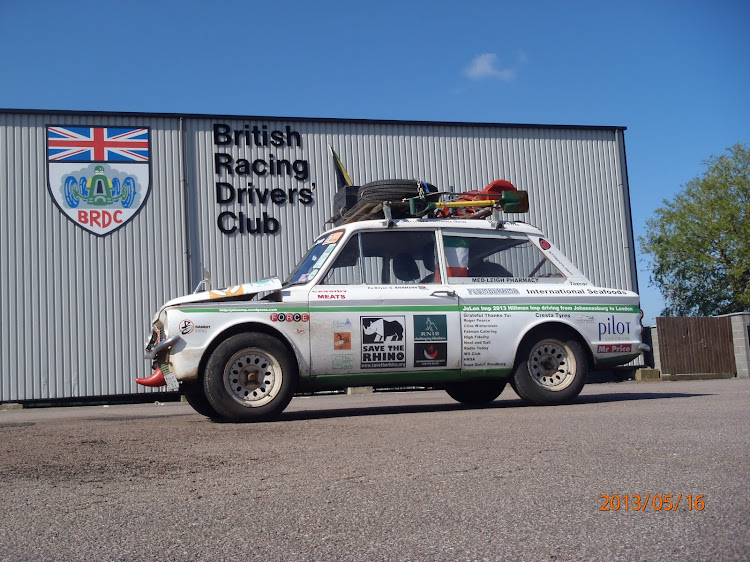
[{"x": 501, "y": 403}]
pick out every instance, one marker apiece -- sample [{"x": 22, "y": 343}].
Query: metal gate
[{"x": 696, "y": 345}]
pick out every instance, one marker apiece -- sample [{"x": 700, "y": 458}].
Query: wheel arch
[
  {"x": 246, "y": 327},
  {"x": 557, "y": 327}
]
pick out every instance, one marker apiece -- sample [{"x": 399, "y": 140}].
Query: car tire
[
  {"x": 196, "y": 397},
  {"x": 387, "y": 190},
  {"x": 551, "y": 369},
  {"x": 250, "y": 377},
  {"x": 475, "y": 393}
]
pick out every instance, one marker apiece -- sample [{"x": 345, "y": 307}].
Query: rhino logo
[{"x": 378, "y": 330}]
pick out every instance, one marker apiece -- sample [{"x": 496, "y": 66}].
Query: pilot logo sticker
[
  {"x": 430, "y": 354},
  {"x": 342, "y": 340},
  {"x": 433, "y": 327},
  {"x": 99, "y": 177},
  {"x": 383, "y": 342}
]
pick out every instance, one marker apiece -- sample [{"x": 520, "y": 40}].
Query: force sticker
[{"x": 290, "y": 317}]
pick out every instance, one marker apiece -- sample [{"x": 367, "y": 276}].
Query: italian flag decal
[{"x": 457, "y": 256}]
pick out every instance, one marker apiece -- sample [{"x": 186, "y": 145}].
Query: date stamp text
[{"x": 651, "y": 502}]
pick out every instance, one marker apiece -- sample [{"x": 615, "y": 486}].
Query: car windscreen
[{"x": 315, "y": 258}]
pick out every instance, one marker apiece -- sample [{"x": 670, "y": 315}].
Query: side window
[
  {"x": 347, "y": 269},
  {"x": 399, "y": 257},
  {"x": 496, "y": 258}
]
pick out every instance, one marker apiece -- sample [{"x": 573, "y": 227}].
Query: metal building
[{"x": 107, "y": 215}]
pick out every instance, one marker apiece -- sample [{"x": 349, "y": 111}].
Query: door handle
[{"x": 446, "y": 292}]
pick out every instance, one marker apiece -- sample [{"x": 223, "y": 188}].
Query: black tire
[
  {"x": 196, "y": 397},
  {"x": 551, "y": 369},
  {"x": 476, "y": 393},
  {"x": 250, "y": 377},
  {"x": 391, "y": 190}
]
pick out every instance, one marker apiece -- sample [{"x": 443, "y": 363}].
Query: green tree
[{"x": 700, "y": 241}]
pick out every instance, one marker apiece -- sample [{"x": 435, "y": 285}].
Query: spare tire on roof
[{"x": 392, "y": 190}]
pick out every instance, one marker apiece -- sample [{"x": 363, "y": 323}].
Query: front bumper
[
  {"x": 158, "y": 377},
  {"x": 161, "y": 347}
]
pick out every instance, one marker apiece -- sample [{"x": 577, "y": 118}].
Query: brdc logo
[{"x": 99, "y": 177}]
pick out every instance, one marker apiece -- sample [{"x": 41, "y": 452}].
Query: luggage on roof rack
[{"x": 417, "y": 198}]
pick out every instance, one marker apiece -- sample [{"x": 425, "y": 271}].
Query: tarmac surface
[{"x": 387, "y": 476}]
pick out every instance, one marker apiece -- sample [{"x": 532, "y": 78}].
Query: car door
[
  {"x": 493, "y": 274},
  {"x": 381, "y": 311}
]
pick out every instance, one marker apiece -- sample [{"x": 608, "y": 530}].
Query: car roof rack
[{"x": 356, "y": 203}]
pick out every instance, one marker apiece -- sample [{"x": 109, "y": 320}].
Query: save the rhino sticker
[{"x": 383, "y": 342}]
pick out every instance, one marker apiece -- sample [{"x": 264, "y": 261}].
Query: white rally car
[{"x": 459, "y": 302}]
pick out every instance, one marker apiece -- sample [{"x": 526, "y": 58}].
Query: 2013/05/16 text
[{"x": 657, "y": 502}]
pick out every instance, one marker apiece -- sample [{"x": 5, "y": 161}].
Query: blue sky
[{"x": 676, "y": 74}]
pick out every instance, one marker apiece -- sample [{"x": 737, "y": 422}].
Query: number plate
[{"x": 172, "y": 383}]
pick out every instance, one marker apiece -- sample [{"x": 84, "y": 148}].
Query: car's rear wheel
[
  {"x": 475, "y": 393},
  {"x": 250, "y": 377},
  {"x": 552, "y": 369}
]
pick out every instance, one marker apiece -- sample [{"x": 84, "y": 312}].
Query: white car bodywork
[{"x": 418, "y": 332}]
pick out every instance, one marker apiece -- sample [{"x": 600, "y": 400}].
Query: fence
[{"x": 696, "y": 345}]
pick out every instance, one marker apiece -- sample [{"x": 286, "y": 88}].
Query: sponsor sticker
[
  {"x": 383, "y": 342},
  {"x": 290, "y": 317},
  {"x": 333, "y": 238},
  {"x": 430, "y": 354},
  {"x": 342, "y": 362},
  {"x": 613, "y": 327},
  {"x": 342, "y": 340},
  {"x": 615, "y": 348},
  {"x": 504, "y": 279},
  {"x": 186, "y": 327},
  {"x": 495, "y": 291},
  {"x": 433, "y": 327}
]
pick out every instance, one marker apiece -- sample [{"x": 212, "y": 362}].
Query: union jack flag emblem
[
  {"x": 97, "y": 144},
  {"x": 99, "y": 177}
]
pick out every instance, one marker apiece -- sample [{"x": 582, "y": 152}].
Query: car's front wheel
[
  {"x": 552, "y": 369},
  {"x": 250, "y": 377},
  {"x": 196, "y": 397}
]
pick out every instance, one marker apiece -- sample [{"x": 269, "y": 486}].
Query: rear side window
[{"x": 496, "y": 257}]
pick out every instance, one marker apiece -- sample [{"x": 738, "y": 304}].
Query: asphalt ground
[{"x": 387, "y": 476}]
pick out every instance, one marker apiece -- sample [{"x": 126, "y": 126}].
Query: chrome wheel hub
[
  {"x": 252, "y": 377},
  {"x": 552, "y": 365}
]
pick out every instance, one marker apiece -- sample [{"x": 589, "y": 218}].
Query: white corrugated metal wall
[{"x": 75, "y": 308}]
